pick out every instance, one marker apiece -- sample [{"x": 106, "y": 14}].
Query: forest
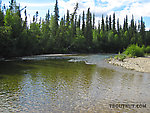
[{"x": 71, "y": 33}]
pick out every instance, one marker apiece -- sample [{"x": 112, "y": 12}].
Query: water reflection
[{"x": 56, "y": 85}]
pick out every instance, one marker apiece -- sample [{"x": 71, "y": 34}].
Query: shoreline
[{"x": 140, "y": 64}]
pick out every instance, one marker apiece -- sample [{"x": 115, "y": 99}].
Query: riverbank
[{"x": 141, "y": 64}]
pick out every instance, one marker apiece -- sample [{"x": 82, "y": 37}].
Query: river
[{"x": 71, "y": 84}]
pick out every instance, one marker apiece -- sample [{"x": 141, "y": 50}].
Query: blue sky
[{"x": 107, "y": 7}]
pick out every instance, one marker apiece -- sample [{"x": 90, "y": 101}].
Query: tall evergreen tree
[
  {"x": 114, "y": 23},
  {"x": 142, "y": 31},
  {"x": 139, "y": 25},
  {"x": 93, "y": 20},
  {"x": 99, "y": 29},
  {"x": 75, "y": 12},
  {"x": 1, "y": 18},
  {"x": 118, "y": 25},
  {"x": 68, "y": 18},
  {"x": 83, "y": 23},
  {"x": 75, "y": 24},
  {"x": 64, "y": 19},
  {"x": 103, "y": 23},
  {"x": 37, "y": 14},
  {"x": 110, "y": 22},
  {"x": 25, "y": 21},
  {"x": 79, "y": 21},
  {"x": 107, "y": 26},
  {"x": 33, "y": 18},
  {"x": 88, "y": 30},
  {"x": 56, "y": 15},
  {"x": 48, "y": 16},
  {"x": 132, "y": 22},
  {"x": 11, "y": 4},
  {"x": 4, "y": 8},
  {"x": 73, "y": 21},
  {"x": 126, "y": 23},
  {"x": 40, "y": 21},
  {"x": 135, "y": 27}
]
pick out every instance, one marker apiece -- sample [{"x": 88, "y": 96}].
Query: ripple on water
[{"x": 56, "y": 85}]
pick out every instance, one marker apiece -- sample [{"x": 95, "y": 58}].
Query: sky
[{"x": 106, "y": 7}]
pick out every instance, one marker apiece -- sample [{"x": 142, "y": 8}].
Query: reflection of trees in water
[
  {"x": 11, "y": 74},
  {"x": 58, "y": 84},
  {"x": 11, "y": 77}
]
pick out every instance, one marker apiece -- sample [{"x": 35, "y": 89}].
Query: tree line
[{"x": 72, "y": 33}]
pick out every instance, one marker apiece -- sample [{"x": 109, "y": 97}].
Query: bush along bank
[
  {"x": 132, "y": 58},
  {"x": 133, "y": 51}
]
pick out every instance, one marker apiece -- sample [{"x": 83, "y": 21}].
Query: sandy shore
[{"x": 141, "y": 64}]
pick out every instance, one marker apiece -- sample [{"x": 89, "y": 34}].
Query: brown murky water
[{"x": 71, "y": 84}]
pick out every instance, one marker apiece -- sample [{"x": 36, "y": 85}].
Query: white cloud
[
  {"x": 139, "y": 9},
  {"x": 107, "y": 7},
  {"x": 36, "y": 4},
  {"x": 131, "y": 6}
]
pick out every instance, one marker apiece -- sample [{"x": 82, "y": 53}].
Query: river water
[{"x": 71, "y": 84}]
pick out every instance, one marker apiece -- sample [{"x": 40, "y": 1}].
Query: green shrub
[
  {"x": 147, "y": 49},
  {"x": 134, "y": 51},
  {"x": 144, "y": 48},
  {"x": 120, "y": 57}
]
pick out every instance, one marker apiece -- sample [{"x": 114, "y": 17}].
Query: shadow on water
[{"x": 13, "y": 68}]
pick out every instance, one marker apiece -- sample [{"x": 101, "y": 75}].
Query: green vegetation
[
  {"x": 134, "y": 51},
  {"x": 71, "y": 34},
  {"x": 120, "y": 57},
  {"x": 147, "y": 49}
]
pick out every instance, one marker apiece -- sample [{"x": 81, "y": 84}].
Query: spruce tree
[
  {"x": 110, "y": 22},
  {"x": 118, "y": 26},
  {"x": 75, "y": 24},
  {"x": 126, "y": 23},
  {"x": 56, "y": 15},
  {"x": 114, "y": 23},
  {"x": 132, "y": 31},
  {"x": 83, "y": 23},
  {"x": 102, "y": 25},
  {"x": 1, "y": 18},
  {"x": 93, "y": 21},
  {"x": 79, "y": 22},
  {"x": 99, "y": 29},
  {"x": 47, "y": 17},
  {"x": 68, "y": 18},
  {"x": 107, "y": 26},
  {"x": 11, "y": 4},
  {"x": 132, "y": 22},
  {"x": 88, "y": 30},
  {"x": 33, "y": 18},
  {"x": 25, "y": 22},
  {"x": 142, "y": 31},
  {"x": 37, "y": 14}
]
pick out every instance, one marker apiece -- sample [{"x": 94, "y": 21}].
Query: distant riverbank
[{"x": 141, "y": 64}]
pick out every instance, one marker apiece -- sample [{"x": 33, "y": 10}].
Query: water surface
[{"x": 78, "y": 83}]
